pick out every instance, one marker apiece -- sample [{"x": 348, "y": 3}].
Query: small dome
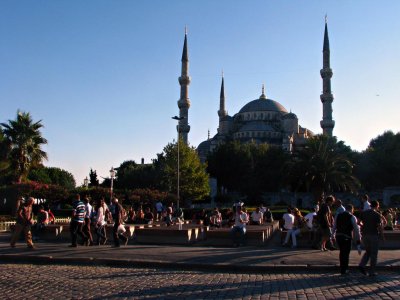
[
  {"x": 289, "y": 116},
  {"x": 262, "y": 104},
  {"x": 204, "y": 146}
]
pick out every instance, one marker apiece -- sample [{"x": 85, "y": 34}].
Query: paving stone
[{"x": 101, "y": 282}]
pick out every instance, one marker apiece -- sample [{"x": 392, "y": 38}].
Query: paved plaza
[
  {"x": 25, "y": 281},
  {"x": 55, "y": 271}
]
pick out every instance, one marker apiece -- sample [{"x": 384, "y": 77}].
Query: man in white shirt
[
  {"x": 288, "y": 220},
  {"x": 366, "y": 205},
  {"x": 241, "y": 219},
  {"x": 257, "y": 217},
  {"x": 310, "y": 217},
  {"x": 86, "y": 227}
]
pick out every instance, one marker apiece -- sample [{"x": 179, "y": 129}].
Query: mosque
[{"x": 262, "y": 120}]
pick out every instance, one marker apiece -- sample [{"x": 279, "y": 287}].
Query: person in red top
[{"x": 24, "y": 223}]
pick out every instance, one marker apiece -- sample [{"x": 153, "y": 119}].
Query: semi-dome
[{"x": 262, "y": 104}]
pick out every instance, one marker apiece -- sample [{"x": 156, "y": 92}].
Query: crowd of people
[
  {"x": 333, "y": 225},
  {"x": 330, "y": 224}
]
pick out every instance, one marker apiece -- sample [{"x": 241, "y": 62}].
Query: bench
[
  {"x": 392, "y": 240},
  {"x": 166, "y": 235},
  {"x": 256, "y": 235}
]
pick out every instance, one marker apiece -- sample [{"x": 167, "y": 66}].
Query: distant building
[{"x": 261, "y": 120}]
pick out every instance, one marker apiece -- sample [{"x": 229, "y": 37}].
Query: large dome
[{"x": 263, "y": 104}]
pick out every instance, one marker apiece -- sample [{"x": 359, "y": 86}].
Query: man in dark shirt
[
  {"x": 346, "y": 225},
  {"x": 371, "y": 228}
]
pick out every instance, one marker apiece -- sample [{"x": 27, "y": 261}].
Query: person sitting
[
  {"x": 387, "y": 214},
  {"x": 256, "y": 217},
  {"x": 168, "y": 216},
  {"x": 311, "y": 224},
  {"x": 200, "y": 216},
  {"x": 287, "y": 223},
  {"x": 139, "y": 216},
  {"x": 216, "y": 219},
  {"x": 297, "y": 228},
  {"x": 131, "y": 215},
  {"x": 148, "y": 216},
  {"x": 241, "y": 219},
  {"x": 268, "y": 218},
  {"x": 52, "y": 218}
]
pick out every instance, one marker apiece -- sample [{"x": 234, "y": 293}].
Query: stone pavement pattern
[{"x": 24, "y": 281}]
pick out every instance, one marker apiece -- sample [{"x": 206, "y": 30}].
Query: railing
[{"x": 5, "y": 226}]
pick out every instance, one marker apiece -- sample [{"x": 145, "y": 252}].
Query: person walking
[
  {"x": 325, "y": 221},
  {"x": 102, "y": 211},
  {"x": 372, "y": 228},
  {"x": 86, "y": 226},
  {"x": 24, "y": 223},
  {"x": 78, "y": 217},
  {"x": 118, "y": 228},
  {"x": 346, "y": 225}
]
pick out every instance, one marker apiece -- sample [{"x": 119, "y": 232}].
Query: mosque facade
[{"x": 262, "y": 120}]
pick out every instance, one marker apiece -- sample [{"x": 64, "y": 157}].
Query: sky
[{"x": 103, "y": 75}]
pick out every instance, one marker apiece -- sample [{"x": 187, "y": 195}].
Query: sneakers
[
  {"x": 73, "y": 246},
  {"x": 31, "y": 247},
  {"x": 126, "y": 242}
]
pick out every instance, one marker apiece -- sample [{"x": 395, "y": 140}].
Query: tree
[
  {"x": 379, "y": 165},
  {"x": 193, "y": 177},
  {"x": 249, "y": 168},
  {"x": 24, "y": 141},
  {"x": 93, "y": 181},
  {"x": 322, "y": 166},
  {"x": 4, "y": 162},
  {"x": 52, "y": 175}
]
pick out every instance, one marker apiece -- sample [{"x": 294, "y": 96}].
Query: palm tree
[
  {"x": 4, "y": 164},
  {"x": 322, "y": 166},
  {"x": 24, "y": 141}
]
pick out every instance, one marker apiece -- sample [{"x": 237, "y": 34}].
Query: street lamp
[
  {"x": 178, "y": 129},
  {"x": 86, "y": 182},
  {"x": 112, "y": 176}
]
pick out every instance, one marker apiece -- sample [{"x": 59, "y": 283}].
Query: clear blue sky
[{"x": 103, "y": 75}]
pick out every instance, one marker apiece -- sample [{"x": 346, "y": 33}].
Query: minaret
[
  {"x": 327, "y": 123},
  {"x": 222, "y": 112},
  {"x": 183, "y": 103}
]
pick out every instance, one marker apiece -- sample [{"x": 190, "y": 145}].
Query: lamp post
[
  {"x": 112, "y": 176},
  {"x": 177, "y": 184}
]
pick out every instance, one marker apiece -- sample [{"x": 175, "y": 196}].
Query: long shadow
[{"x": 326, "y": 283}]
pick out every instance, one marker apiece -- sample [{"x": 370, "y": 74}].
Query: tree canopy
[
  {"x": 51, "y": 175},
  {"x": 250, "y": 169},
  {"x": 322, "y": 166},
  {"x": 193, "y": 179},
  {"x": 379, "y": 165},
  {"x": 23, "y": 141}
]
